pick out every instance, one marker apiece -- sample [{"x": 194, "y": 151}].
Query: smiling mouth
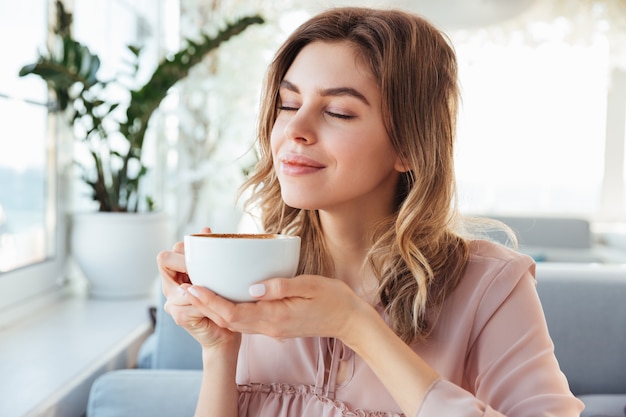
[
  {"x": 298, "y": 164},
  {"x": 300, "y": 160}
]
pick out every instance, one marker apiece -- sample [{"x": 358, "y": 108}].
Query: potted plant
[{"x": 115, "y": 174}]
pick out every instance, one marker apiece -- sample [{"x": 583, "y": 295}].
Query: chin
[{"x": 299, "y": 202}]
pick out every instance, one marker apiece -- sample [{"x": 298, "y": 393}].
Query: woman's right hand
[{"x": 175, "y": 283}]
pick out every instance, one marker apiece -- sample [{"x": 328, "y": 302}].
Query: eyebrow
[{"x": 326, "y": 92}]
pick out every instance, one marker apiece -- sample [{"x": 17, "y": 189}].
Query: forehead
[{"x": 329, "y": 65}]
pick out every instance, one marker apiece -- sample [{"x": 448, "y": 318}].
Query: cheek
[
  {"x": 276, "y": 137},
  {"x": 367, "y": 146}
]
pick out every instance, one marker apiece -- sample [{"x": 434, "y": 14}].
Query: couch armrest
[
  {"x": 607, "y": 405},
  {"x": 144, "y": 392},
  {"x": 585, "y": 312}
]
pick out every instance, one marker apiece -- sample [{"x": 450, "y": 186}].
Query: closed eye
[
  {"x": 340, "y": 116},
  {"x": 330, "y": 113}
]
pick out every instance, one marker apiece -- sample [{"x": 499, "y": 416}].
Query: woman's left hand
[{"x": 303, "y": 306}]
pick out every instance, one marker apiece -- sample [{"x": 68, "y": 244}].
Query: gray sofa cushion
[
  {"x": 142, "y": 392},
  {"x": 607, "y": 405},
  {"x": 585, "y": 309},
  {"x": 553, "y": 232}
]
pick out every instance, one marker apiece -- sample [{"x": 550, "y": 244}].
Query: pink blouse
[{"x": 491, "y": 347}]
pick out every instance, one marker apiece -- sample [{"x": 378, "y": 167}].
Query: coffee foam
[{"x": 238, "y": 235}]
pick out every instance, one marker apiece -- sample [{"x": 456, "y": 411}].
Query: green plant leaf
[{"x": 71, "y": 71}]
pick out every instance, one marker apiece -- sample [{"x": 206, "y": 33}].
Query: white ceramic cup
[{"x": 228, "y": 264}]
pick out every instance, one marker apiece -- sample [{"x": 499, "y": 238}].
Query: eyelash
[{"x": 331, "y": 114}]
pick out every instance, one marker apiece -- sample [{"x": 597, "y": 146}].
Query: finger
[
  {"x": 176, "y": 299},
  {"x": 262, "y": 317},
  {"x": 186, "y": 316},
  {"x": 179, "y": 297},
  {"x": 216, "y": 308},
  {"x": 172, "y": 261},
  {"x": 205, "y": 230},
  {"x": 279, "y": 288},
  {"x": 173, "y": 270},
  {"x": 179, "y": 247}
]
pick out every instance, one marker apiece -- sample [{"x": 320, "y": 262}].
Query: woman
[{"x": 393, "y": 311}]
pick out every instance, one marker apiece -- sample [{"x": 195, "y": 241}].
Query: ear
[{"x": 400, "y": 165}]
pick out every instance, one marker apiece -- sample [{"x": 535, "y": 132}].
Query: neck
[{"x": 348, "y": 242}]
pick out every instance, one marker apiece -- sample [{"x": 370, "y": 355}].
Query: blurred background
[
  {"x": 540, "y": 144},
  {"x": 541, "y": 127}
]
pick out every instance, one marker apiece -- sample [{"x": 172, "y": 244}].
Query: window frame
[
  {"x": 47, "y": 277},
  {"x": 32, "y": 283}
]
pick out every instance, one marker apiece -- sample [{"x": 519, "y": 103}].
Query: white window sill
[{"x": 49, "y": 358}]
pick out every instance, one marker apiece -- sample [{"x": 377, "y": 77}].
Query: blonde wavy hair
[{"x": 416, "y": 254}]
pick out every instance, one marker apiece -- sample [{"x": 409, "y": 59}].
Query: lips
[{"x": 297, "y": 164}]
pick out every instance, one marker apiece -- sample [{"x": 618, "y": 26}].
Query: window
[
  {"x": 24, "y": 194},
  {"x": 534, "y": 134},
  {"x": 31, "y": 225},
  {"x": 36, "y": 149}
]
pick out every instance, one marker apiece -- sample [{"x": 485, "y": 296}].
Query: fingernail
[
  {"x": 193, "y": 291},
  {"x": 182, "y": 291},
  {"x": 257, "y": 290}
]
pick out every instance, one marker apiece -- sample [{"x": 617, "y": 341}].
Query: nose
[{"x": 301, "y": 127}]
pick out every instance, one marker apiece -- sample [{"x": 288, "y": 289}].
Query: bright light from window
[
  {"x": 23, "y": 182},
  {"x": 532, "y": 125}
]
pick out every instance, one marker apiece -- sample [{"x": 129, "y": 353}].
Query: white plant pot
[{"x": 117, "y": 251}]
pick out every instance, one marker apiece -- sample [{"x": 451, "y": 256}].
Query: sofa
[
  {"x": 585, "y": 308},
  {"x": 560, "y": 239}
]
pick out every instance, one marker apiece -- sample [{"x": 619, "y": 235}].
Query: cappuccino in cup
[{"x": 228, "y": 264}]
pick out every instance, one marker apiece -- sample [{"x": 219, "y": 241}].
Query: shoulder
[
  {"x": 491, "y": 274},
  {"x": 489, "y": 260}
]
